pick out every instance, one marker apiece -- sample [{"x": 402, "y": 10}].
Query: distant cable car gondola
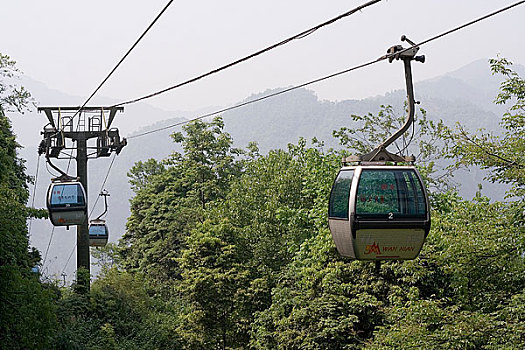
[
  {"x": 66, "y": 202},
  {"x": 36, "y": 270},
  {"x": 98, "y": 230},
  {"x": 379, "y": 210},
  {"x": 98, "y": 233}
]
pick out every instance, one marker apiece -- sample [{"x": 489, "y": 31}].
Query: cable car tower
[
  {"x": 80, "y": 134},
  {"x": 379, "y": 208}
]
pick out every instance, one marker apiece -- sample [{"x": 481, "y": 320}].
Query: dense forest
[{"x": 229, "y": 248}]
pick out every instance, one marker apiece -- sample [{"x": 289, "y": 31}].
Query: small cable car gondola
[
  {"x": 98, "y": 233},
  {"x": 98, "y": 230},
  {"x": 66, "y": 202},
  {"x": 379, "y": 208}
]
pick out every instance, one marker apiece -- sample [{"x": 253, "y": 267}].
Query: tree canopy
[{"x": 27, "y": 313}]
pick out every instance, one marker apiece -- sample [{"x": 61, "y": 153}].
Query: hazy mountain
[{"x": 464, "y": 96}]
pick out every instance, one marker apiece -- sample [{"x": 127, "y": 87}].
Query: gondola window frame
[{"x": 336, "y": 195}]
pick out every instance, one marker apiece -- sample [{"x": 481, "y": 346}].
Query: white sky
[{"x": 72, "y": 45}]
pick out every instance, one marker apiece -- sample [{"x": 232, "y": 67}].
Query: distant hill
[{"x": 464, "y": 96}]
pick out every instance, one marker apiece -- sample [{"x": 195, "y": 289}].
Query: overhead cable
[
  {"x": 33, "y": 199},
  {"x": 126, "y": 55},
  {"x": 48, "y": 245},
  {"x": 114, "y": 69},
  {"x": 257, "y": 99},
  {"x": 103, "y": 183},
  {"x": 68, "y": 259},
  {"x": 260, "y": 52},
  {"x": 331, "y": 75}
]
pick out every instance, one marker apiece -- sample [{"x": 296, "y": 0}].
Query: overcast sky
[{"x": 72, "y": 45}]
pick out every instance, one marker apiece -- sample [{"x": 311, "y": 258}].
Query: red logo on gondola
[{"x": 372, "y": 248}]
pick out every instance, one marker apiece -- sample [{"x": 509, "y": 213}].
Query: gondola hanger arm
[
  {"x": 380, "y": 153},
  {"x": 104, "y": 194}
]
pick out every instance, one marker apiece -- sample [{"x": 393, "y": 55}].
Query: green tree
[
  {"x": 12, "y": 96},
  {"x": 215, "y": 286},
  {"x": 27, "y": 313},
  {"x": 321, "y": 302},
  {"x": 233, "y": 261},
  {"x": 424, "y": 141},
  {"x": 452, "y": 296},
  {"x": 476, "y": 247},
  {"x": 471, "y": 276},
  {"x": 174, "y": 195},
  {"x": 117, "y": 313},
  {"x": 503, "y": 153}
]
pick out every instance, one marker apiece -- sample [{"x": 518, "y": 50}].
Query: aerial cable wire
[
  {"x": 126, "y": 55},
  {"x": 283, "y": 42},
  {"x": 48, "y": 245},
  {"x": 68, "y": 259},
  {"x": 382, "y": 58},
  {"x": 257, "y": 99},
  {"x": 33, "y": 199},
  {"x": 115, "y": 68},
  {"x": 103, "y": 183},
  {"x": 301, "y": 35}
]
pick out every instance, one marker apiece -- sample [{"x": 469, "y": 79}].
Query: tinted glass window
[
  {"x": 338, "y": 207},
  {"x": 65, "y": 194},
  {"x": 97, "y": 230},
  {"x": 387, "y": 192}
]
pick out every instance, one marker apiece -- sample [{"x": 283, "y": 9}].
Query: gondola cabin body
[
  {"x": 66, "y": 203},
  {"x": 98, "y": 233},
  {"x": 379, "y": 212}
]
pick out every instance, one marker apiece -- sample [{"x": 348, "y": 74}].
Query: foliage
[
  {"x": 117, "y": 313},
  {"x": 452, "y": 296},
  {"x": 423, "y": 140},
  {"x": 321, "y": 302},
  {"x": 216, "y": 288},
  {"x": 475, "y": 272},
  {"x": 27, "y": 319},
  {"x": 27, "y": 313},
  {"x": 235, "y": 258},
  {"x": 141, "y": 171},
  {"x": 107, "y": 258},
  {"x": 174, "y": 195},
  {"x": 503, "y": 154},
  {"x": 12, "y": 97}
]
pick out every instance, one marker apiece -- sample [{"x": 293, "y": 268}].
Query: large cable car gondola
[
  {"x": 98, "y": 230},
  {"x": 66, "y": 202},
  {"x": 66, "y": 197},
  {"x": 379, "y": 207},
  {"x": 379, "y": 212}
]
